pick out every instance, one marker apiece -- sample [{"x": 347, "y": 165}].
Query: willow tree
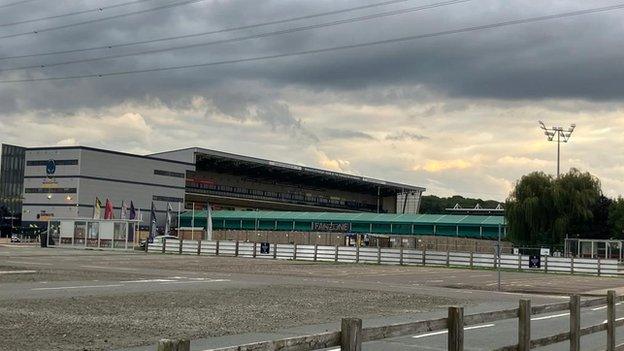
[{"x": 542, "y": 209}]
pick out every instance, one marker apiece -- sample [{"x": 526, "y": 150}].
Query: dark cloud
[
  {"x": 576, "y": 57},
  {"x": 333, "y": 133},
  {"x": 405, "y": 135}
]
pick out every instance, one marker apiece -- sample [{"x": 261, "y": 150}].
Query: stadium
[{"x": 43, "y": 183}]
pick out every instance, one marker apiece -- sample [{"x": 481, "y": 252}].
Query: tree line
[{"x": 543, "y": 210}]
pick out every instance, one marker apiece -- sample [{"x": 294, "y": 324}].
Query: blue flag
[{"x": 132, "y": 211}]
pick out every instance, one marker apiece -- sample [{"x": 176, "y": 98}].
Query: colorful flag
[
  {"x": 169, "y": 218},
  {"x": 123, "y": 213},
  {"x": 133, "y": 214},
  {"x": 108, "y": 210},
  {"x": 97, "y": 209},
  {"x": 208, "y": 222},
  {"x": 153, "y": 224}
]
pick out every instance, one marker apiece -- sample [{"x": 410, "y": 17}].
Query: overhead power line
[
  {"x": 16, "y": 3},
  {"x": 76, "y": 13},
  {"x": 330, "y": 49},
  {"x": 217, "y": 31},
  {"x": 254, "y": 36},
  {"x": 101, "y": 19}
]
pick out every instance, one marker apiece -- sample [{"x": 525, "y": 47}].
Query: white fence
[{"x": 390, "y": 256}]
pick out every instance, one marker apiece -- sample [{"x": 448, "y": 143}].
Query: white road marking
[
  {"x": 27, "y": 262},
  {"x": 604, "y": 307},
  {"x": 80, "y": 287},
  {"x": 108, "y": 267},
  {"x": 148, "y": 281},
  {"x": 446, "y": 331},
  {"x": 618, "y": 319},
  {"x": 17, "y": 272},
  {"x": 435, "y": 281},
  {"x": 197, "y": 281},
  {"x": 551, "y": 316}
]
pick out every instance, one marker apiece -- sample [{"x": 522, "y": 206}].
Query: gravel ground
[
  {"x": 110, "y": 322},
  {"x": 50, "y": 274}
]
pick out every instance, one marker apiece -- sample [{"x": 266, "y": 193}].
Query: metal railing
[{"x": 391, "y": 256}]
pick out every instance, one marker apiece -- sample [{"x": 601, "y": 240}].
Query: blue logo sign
[{"x": 50, "y": 167}]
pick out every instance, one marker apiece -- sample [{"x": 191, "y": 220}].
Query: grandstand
[{"x": 235, "y": 182}]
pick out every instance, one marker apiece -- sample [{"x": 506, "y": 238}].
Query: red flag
[{"x": 108, "y": 211}]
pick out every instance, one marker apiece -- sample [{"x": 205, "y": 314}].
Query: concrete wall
[{"x": 433, "y": 243}]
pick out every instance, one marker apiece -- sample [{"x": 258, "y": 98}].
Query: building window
[
  {"x": 57, "y": 162},
  {"x": 50, "y": 190},
  {"x": 168, "y": 173},
  {"x": 167, "y": 199}
]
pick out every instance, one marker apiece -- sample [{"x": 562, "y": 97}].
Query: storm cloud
[{"x": 426, "y": 106}]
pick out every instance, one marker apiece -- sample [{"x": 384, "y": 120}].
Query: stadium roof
[
  {"x": 440, "y": 219},
  {"x": 218, "y": 160}
]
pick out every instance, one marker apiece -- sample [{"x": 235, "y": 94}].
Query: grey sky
[{"x": 454, "y": 113}]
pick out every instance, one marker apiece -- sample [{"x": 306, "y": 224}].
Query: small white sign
[{"x": 545, "y": 251}]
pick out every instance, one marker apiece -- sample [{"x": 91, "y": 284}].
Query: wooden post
[
  {"x": 184, "y": 345},
  {"x": 519, "y": 262},
  {"x": 448, "y": 257},
  {"x": 455, "y": 325},
  {"x": 315, "y": 252},
  {"x": 164, "y": 244},
  {"x": 351, "y": 334},
  {"x": 176, "y": 345},
  {"x": 572, "y": 265},
  {"x": 254, "y": 249},
  {"x": 198, "y": 247},
  {"x": 611, "y": 320},
  {"x": 471, "y": 259},
  {"x": 524, "y": 325},
  {"x": 424, "y": 255},
  {"x": 357, "y": 253},
  {"x": 378, "y": 254},
  {"x": 274, "y": 251},
  {"x": 575, "y": 323},
  {"x": 545, "y": 264},
  {"x": 401, "y": 256},
  {"x": 217, "y": 248},
  {"x": 236, "y": 249},
  {"x": 336, "y": 254},
  {"x": 165, "y": 345},
  {"x": 294, "y": 252},
  {"x": 180, "y": 248}
]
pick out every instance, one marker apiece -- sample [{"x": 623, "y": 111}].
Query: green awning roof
[{"x": 438, "y": 219}]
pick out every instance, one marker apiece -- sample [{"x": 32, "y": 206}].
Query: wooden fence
[
  {"x": 352, "y": 335},
  {"x": 392, "y": 256}
]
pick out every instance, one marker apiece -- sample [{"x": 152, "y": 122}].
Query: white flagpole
[
  {"x": 179, "y": 210},
  {"x": 193, "y": 223}
]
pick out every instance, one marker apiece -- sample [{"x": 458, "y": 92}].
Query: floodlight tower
[{"x": 563, "y": 135}]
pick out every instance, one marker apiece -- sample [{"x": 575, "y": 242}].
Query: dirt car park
[{"x": 68, "y": 299}]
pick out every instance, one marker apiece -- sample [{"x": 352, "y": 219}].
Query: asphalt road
[{"x": 69, "y": 273}]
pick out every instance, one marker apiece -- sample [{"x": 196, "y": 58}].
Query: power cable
[
  {"x": 186, "y": 36},
  {"x": 16, "y": 3},
  {"x": 99, "y": 9},
  {"x": 102, "y": 19},
  {"x": 330, "y": 49},
  {"x": 255, "y": 36}
]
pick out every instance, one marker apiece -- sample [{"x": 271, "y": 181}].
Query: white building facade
[{"x": 64, "y": 182}]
